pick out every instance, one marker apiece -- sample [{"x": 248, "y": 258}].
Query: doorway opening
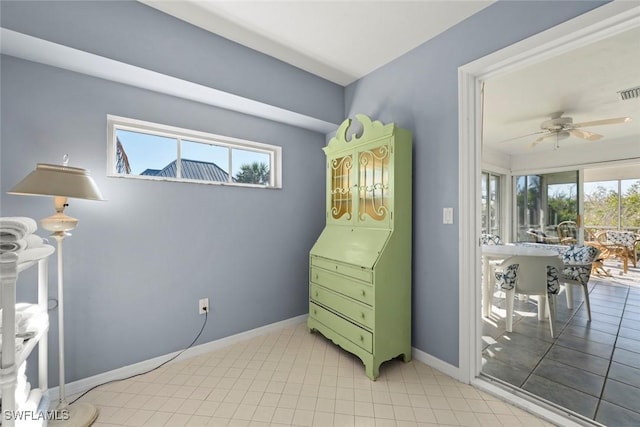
[{"x": 602, "y": 23}]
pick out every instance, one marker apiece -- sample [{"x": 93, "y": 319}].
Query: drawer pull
[
  {"x": 316, "y": 276},
  {"x": 362, "y": 315},
  {"x": 361, "y": 338},
  {"x": 315, "y": 311},
  {"x": 363, "y": 293},
  {"x": 316, "y": 293}
]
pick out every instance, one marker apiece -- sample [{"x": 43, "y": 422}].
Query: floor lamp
[{"x": 62, "y": 182}]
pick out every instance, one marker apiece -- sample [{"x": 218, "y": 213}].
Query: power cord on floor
[{"x": 206, "y": 316}]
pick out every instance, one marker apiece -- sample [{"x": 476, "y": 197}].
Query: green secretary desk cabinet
[{"x": 360, "y": 266}]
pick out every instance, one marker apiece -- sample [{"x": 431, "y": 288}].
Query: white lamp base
[{"x": 80, "y": 415}]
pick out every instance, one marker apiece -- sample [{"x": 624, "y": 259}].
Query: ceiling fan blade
[
  {"x": 522, "y": 136},
  {"x": 539, "y": 140},
  {"x": 589, "y": 136},
  {"x": 613, "y": 121}
]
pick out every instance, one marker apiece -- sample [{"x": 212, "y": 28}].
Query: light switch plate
[{"x": 447, "y": 215}]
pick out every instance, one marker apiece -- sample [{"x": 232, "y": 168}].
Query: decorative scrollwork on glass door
[
  {"x": 374, "y": 183},
  {"x": 341, "y": 198}
]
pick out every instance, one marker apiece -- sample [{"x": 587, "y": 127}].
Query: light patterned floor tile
[
  {"x": 139, "y": 418},
  {"x": 158, "y": 419},
  {"x": 282, "y": 416},
  {"x": 345, "y": 407},
  {"x": 294, "y": 378},
  {"x": 178, "y": 420},
  {"x": 424, "y": 415},
  {"x": 263, "y": 413},
  {"x": 445, "y": 416},
  {"x": 302, "y": 417},
  {"x": 198, "y": 420},
  {"x": 404, "y": 413},
  {"x": 467, "y": 419},
  {"x": 364, "y": 422},
  {"x": 383, "y": 411}
]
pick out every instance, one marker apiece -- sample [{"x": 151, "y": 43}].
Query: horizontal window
[{"x": 145, "y": 150}]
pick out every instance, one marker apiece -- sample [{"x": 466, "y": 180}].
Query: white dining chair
[{"x": 534, "y": 275}]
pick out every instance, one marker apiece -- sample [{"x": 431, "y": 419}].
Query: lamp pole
[
  {"x": 80, "y": 414},
  {"x": 62, "y": 397}
]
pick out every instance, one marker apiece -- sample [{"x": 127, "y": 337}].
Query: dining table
[{"x": 504, "y": 251}]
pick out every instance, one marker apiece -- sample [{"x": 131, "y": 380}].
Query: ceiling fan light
[{"x": 630, "y": 93}]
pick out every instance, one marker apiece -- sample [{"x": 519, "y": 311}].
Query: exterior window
[
  {"x": 490, "y": 203},
  {"x": 612, "y": 204},
  {"x": 152, "y": 151},
  {"x": 630, "y": 204}
]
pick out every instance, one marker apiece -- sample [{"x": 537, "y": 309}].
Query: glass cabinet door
[
  {"x": 374, "y": 194},
  {"x": 341, "y": 183}
]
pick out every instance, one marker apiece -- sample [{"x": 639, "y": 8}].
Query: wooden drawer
[
  {"x": 360, "y": 337},
  {"x": 344, "y": 285},
  {"x": 355, "y": 311},
  {"x": 348, "y": 270}
]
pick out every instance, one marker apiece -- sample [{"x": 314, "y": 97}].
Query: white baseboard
[
  {"x": 434, "y": 362},
  {"x": 84, "y": 384}
]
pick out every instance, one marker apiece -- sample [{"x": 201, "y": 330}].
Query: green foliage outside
[
  {"x": 601, "y": 207},
  {"x": 254, "y": 173},
  {"x": 561, "y": 201},
  {"x": 563, "y": 206}
]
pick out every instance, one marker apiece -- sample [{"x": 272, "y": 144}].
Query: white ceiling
[
  {"x": 583, "y": 83},
  {"x": 339, "y": 40}
]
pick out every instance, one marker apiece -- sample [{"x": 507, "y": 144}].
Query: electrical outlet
[{"x": 203, "y": 305}]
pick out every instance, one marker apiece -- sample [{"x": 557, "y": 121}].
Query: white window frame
[
  {"x": 501, "y": 199},
  {"x": 115, "y": 123}
]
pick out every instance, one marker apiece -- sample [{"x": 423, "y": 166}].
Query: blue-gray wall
[
  {"x": 138, "y": 263},
  {"x": 419, "y": 91}
]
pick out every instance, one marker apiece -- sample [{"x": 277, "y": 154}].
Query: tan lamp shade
[{"x": 58, "y": 180}]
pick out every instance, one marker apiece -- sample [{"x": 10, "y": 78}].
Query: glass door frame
[{"x": 545, "y": 204}]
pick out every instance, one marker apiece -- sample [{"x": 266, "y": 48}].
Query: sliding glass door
[{"x": 542, "y": 203}]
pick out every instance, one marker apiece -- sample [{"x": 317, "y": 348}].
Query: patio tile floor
[{"x": 591, "y": 368}]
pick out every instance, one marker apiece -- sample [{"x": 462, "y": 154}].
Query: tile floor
[
  {"x": 295, "y": 378},
  {"x": 591, "y": 368}
]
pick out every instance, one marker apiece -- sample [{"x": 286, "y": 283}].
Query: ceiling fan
[{"x": 559, "y": 128}]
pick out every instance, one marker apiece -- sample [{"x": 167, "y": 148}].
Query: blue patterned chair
[
  {"x": 531, "y": 275},
  {"x": 490, "y": 239},
  {"x": 627, "y": 239},
  {"x": 577, "y": 262}
]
